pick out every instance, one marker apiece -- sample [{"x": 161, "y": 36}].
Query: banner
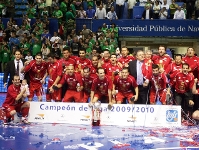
[
  {"x": 120, "y": 114},
  {"x": 146, "y": 28}
]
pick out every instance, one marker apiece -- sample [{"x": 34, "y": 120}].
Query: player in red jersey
[
  {"x": 55, "y": 74},
  {"x": 13, "y": 103},
  {"x": 95, "y": 64},
  {"x": 82, "y": 61},
  {"x": 158, "y": 86},
  {"x": 74, "y": 83},
  {"x": 192, "y": 60},
  {"x": 101, "y": 88},
  {"x": 183, "y": 85},
  {"x": 87, "y": 79},
  {"x": 124, "y": 85},
  {"x": 105, "y": 60},
  {"x": 174, "y": 67},
  {"x": 125, "y": 59},
  {"x": 37, "y": 70},
  {"x": 67, "y": 59},
  {"x": 113, "y": 68},
  {"x": 162, "y": 59}
]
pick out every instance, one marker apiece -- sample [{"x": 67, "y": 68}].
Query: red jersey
[
  {"x": 193, "y": 64},
  {"x": 111, "y": 69},
  {"x": 173, "y": 69},
  {"x": 66, "y": 62},
  {"x": 81, "y": 63},
  {"x": 102, "y": 86},
  {"x": 36, "y": 71},
  {"x": 72, "y": 81},
  {"x": 87, "y": 83},
  {"x": 12, "y": 93},
  {"x": 159, "y": 82},
  {"x": 125, "y": 60},
  {"x": 125, "y": 85},
  {"x": 147, "y": 68},
  {"x": 183, "y": 82},
  {"x": 163, "y": 61},
  {"x": 106, "y": 62},
  {"x": 93, "y": 71},
  {"x": 54, "y": 71}
]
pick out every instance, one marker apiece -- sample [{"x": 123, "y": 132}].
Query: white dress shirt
[{"x": 21, "y": 75}]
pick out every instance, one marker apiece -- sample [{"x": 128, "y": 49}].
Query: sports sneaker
[{"x": 25, "y": 121}]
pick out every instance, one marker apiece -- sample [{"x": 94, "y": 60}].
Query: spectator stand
[
  {"x": 53, "y": 26},
  {"x": 21, "y": 7}
]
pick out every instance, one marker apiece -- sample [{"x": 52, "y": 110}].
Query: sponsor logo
[
  {"x": 171, "y": 115},
  {"x": 39, "y": 117},
  {"x": 85, "y": 118},
  {"x": 132, "y": 119}
]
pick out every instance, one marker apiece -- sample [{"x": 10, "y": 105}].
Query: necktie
[{"x": 17, "y": 71}]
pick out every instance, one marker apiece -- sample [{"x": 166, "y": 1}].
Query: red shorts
[
  {"x": 71, "y": 95},
  {"x": 120, "y": 96},
  {"x": 10, "y": 108},
  {"x": 161, "y": 94},
  {"x": 35, "y": 88},
  {"x": 84, "y": 96},
  {"x": 102, "y": 98},
  {"x": 56, "y": 95}
]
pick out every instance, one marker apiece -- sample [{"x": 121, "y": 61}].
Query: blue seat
[
  {"x": 125, "y": 11},
  {"x": 23, "y": 7},
  {"x": 179, "y": 3},
  {"x": 18, "y": 1},
  {"x": 18, "y": 13},
  {"x": 17, "y": 7},
  {"x": 137, "y": 12}
]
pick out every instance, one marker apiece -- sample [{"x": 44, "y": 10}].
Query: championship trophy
[{"x": 96, "y": 112}]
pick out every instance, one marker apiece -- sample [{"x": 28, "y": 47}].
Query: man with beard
[
  {"x": 162, "y": 59},
  {"x": 158, "y": 86}
]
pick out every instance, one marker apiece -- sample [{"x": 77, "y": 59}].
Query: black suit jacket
[
  {"x": 150, "y": 14},
  {"x": 10, "y": 70},
  {"x": 133, "y": 68}
]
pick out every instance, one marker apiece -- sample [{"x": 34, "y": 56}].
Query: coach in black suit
[
  {"x": 14, "y": 68},
  {"x": 135, "y": 69},
  {"x": 147, "y": 13}
]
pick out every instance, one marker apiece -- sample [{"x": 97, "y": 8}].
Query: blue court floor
[{"x": 38, "y": 136}]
